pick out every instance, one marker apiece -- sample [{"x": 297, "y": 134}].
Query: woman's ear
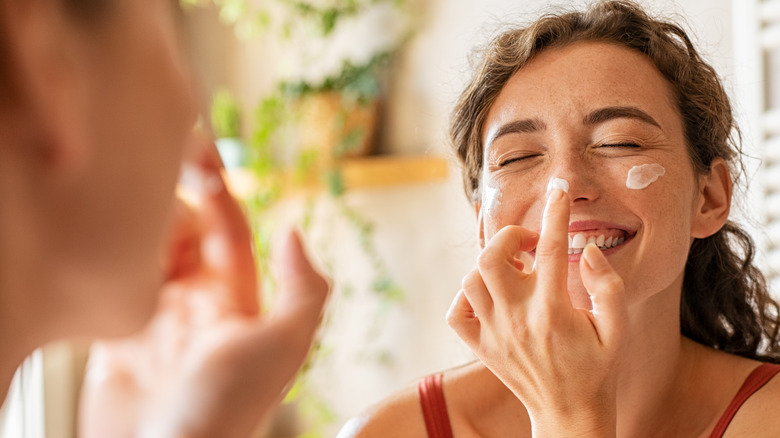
[
  {"x": 714, "y": 201},
  {"x": 46, "y": 70}
]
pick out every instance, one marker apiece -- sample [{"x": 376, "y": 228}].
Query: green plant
[
  {"x": 225, "y": 118},
  {"x": 280, "y": 163},
  {"x": 251, "y": 18}
]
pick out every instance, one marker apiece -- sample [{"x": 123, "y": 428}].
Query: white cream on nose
[
  {"x": 642, "y": 176},
  {"x": 557, "y": 183}
]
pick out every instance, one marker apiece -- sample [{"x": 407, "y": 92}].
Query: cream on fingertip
[{"x": 557, "y": 183}]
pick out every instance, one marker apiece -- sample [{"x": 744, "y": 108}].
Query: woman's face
[{"x": 588, "y": 113}]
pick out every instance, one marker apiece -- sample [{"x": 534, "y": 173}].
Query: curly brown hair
[{"x": 725, "y": 301}]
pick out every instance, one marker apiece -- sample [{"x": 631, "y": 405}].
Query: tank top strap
[
  {"x": 434, "y": 408},
  {"x": 757, "y": 379}
]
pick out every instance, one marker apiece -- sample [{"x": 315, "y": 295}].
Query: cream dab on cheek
[
  {"x": 491, "y": 198},
  {"x": 642, "y": 176}
]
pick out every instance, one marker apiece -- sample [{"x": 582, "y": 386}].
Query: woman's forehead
[{"x": 568, "y": 83}]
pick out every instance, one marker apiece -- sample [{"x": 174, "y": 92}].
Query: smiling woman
[{"x": 624, "y": 303}]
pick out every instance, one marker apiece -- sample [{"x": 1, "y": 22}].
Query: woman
[
  {"x": 612, "y": 297},
  {"x": 96, "y": 108}
]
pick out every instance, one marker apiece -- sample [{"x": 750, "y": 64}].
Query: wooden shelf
[
  {"x": 392, "y": 170},
  {"x": 358, "y": 173}
]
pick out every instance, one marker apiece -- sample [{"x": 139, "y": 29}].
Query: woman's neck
[{"x": 663, "y": 382}]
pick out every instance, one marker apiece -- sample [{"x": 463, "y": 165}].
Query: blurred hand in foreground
[{"x": 208, "y": 363}]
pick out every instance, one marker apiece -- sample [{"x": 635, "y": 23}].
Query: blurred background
[{"x": 332, "y": 116}]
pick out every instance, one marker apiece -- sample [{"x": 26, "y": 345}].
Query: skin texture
[
  {"x": 91, "y": 151},
  {"x": 584, "y": 344}
]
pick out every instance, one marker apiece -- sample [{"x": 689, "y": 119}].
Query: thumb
[
  {"x": 607, "y": 294},
  {"x": 302, "y": 290}
]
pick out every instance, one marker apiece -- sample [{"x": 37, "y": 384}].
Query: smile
[{"x": 604, "y": 239}]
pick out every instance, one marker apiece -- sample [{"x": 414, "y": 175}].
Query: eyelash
[
  {"x": 608, "y": 145},
  {"x": 515, "y": 159},
  {"x": 621, "y": 145}
]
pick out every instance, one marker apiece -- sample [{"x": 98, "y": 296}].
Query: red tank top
[{"x": 437, "y": 420}]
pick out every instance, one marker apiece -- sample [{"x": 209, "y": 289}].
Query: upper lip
[
  {"x": 593, "y": 225},
  {"x": 589, "y": 225}
]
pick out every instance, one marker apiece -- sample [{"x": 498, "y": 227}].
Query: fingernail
[
  {"x": 593, "y": 257},
  {"x": 556, "y": 194}
]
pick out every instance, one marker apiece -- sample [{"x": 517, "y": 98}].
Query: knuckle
[
  {"x": 551, "y": 250},
  {"x": 453, "y": 320},
  {"x": 471, "y": 280},
  {"x": 613, "y": 284},
  {"x": 489, "y": 260}
]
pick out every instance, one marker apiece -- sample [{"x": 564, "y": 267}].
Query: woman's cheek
[
  {"x": 505, "y": 201},
  {"x": 642, "y": 176}
]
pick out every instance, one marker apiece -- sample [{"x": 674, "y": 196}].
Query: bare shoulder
[
  {"x": 759, "y": 416},
  {"x": 399, "y": 415},
  {"x": 478, "y": 405}
]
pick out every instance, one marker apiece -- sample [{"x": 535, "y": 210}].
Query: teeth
[{"x": 578, "y": 242}]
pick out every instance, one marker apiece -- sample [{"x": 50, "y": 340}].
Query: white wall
[{"x": 436, "y": 65}]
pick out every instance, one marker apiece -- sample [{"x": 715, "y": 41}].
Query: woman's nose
[{"x": 579, "y": 174}]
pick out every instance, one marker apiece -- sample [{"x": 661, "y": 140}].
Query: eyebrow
[
  {"x": 517, "y": 127},
  {"x": 600, "y": 115},
  {"x": 618, "y": 112}
]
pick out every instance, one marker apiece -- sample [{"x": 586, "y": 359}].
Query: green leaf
[
  {"x": 225, "y": 118},
  {"x": 335, "y": 182}
]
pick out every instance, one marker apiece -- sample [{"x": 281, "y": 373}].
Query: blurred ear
[
  {"x": 47, "y": 82},
  {"x": 714, "y": 201},
  {"x": 480, "y": 224}
]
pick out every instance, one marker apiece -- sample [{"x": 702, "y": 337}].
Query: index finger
[
  {"x": 226, "y": 239},
  {"x": 552, "y": 259}
]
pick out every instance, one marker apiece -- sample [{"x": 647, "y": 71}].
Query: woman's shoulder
[{"x": 401, "y": 414}]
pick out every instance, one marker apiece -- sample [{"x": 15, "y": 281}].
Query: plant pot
[{"x": 337, "y": 126}]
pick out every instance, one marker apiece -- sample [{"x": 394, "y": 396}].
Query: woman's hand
[
  {"x": 561, "y": 362},
  {"x": 207, "y": 364}
]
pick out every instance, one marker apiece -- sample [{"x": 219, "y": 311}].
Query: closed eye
[
  {"x": 621, "y": 145},
  {"x": 515, "y": 159}
]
